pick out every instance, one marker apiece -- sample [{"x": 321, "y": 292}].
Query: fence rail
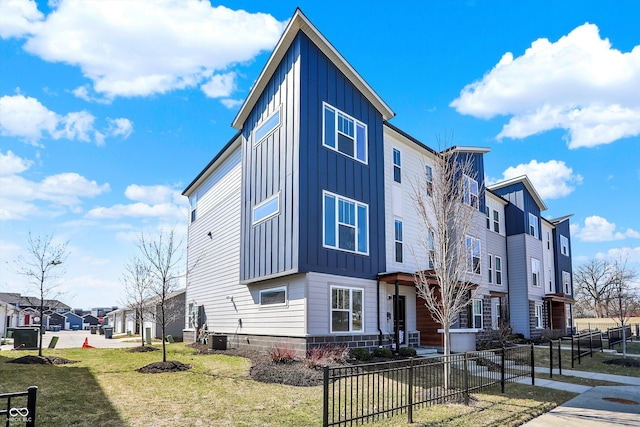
[
  {"x": 368, "y": 392},
  {"x": 584, "y": 344},
  {"x": 617, "y": 335},
  {"x": 25, "y": 414}
]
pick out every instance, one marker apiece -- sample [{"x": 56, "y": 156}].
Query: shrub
[
  {"x": 382, "y": 352},
  {"x": 325, "y": 355},
  {"x": 360, "y": 354},
  {"x": 408, "y": 352},
  {"x": 285, "y": 354}
]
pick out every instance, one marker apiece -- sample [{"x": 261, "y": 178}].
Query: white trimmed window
[
  {"x": 550, "y": 280},
  {"x": 486, "y": 212},
  {"x": 566, "y": 282},
  {"x": 273, "y": 296},
  {"x": 429, "y": 174},
  {"x": 476, "y": 314},
  {"x": 344, "y": 134},
  {"x": 346, "y": 224},
  {"x": 538, "y": 316},
  {"x": 533, "y": 225},
  {"x": 470, "y": 191},
  {"x": 193, "y": 203},
  {"x": 473, "y": 254},
  {"x": 496, "y": 221},
  {"x": 347, "y": 309},
  {"x": 498, "y": 266},
  {"x": 398, "y": 239},
  {"x": 496, "y": 313},
  {"x": 564, "y": 245},
  {"x": 535, "y": 272},
  {"x": 490, "y": 268},
  {"x": 266, "y": 209},
  {"x": 432, "y": 249},
  {"x": 267, "y": 127},
  {"x": 397, "y": 166}
]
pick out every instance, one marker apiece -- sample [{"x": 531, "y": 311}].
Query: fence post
[
  {"x": 31, "y": 406},
  {"x": 572, "y": 341},
  {"x": 502, "y": 369},
  {"x": 325, "y": 396},
  {"x": 533, "y": 370},
  {"x": 550, "y": 358},
  {"x": 579, "y": 351},
  {"x": 590, "y": 344},
  {"x": 466, "y": 378},
  {"x": 560, "y": 356},
  {"x": 410, "y": 411}
]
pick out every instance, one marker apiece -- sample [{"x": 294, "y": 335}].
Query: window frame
[
  {"x": 431, "y": 242},
  {"x": 350, "y": 310},
  {"x": 533, "y": 226},
  {"x": 277, "y": 112},
  {"x": 471, "y": 255},
  {"x": 193, "y": 206},
  {"x": 496, "y": 221},
  {"x": 490, "y": 267},
  {"x": 270, "y": 214},
  {"x": 429, "y": 179},
  {"x": 486, "y": 213},
  {"x": 564, "y": 245},
  {"x": 471, "y": 192},
  {"x": 535, "y": 272},
  {"x": 397, "y": 166},
  {"x": 398, "y": 240},
  {"x": 498, "y": 270},
  {"x": 282, "y": 288},
  {"x": 475, "y": 314},
  {"x": 336, "y": 231},
  {"x": 357, "y": 127},
  {"x": 538, "y": 316},
  {"x": 566, "y": 282}
]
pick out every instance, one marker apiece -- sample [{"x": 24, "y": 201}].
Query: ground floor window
[
  {"x": 477, "y": 313},
  {"x": 538, "y": 314},
  {"x": 346, "y": 310}
]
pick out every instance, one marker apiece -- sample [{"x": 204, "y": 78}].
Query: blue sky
[{"x": 108, "y": 110}]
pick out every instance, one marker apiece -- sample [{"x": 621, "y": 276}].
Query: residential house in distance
[{"x": 301, "y": 227}]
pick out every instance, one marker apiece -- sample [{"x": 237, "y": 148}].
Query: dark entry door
[{"x": 401, "y": 319}]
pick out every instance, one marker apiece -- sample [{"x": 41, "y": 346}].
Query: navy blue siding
[
  {"x": 325, "y": 169},
  {"x": 522, "y": 201},
  {"x": 563, "y": 263}
]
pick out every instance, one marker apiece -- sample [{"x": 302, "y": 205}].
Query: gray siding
[{"x": 518, "y": 285}]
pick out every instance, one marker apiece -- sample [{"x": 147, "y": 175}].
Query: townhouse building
[{"x": 302, "y": 229}]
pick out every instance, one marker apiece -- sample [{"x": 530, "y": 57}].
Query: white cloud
[
  {"x": 146, "y": 47},
  {"x": 26, "y": 118},
  {"x": 231, "y": 103},
  {"x": 578, "y": 83},
  {"x": 18, "y": 17},
  {"x": 598, "y": 229},
  {"x": 139, "y": 210},
  {"x": 19, "y": 197},
  {"x": 552, "y": 179},
  {"x": 154, "y": 194},
  {"x": 629, "y": 254},
  {"x": 220, "y": 85}
]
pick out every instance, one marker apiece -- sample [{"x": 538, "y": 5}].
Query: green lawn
[
  {"x": 104, "y": 389},
  {"x": 588, "y": 363}
]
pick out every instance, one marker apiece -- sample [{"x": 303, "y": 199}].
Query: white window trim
[
  {"x": 496, "y": 314},
  {"x": 564, "y": 244},
  {"x": 473, "y": 313},
  {"x": 396, "y": 165},
  {"x": 490, "y": 267},
  {"x": 350, "y": 289},
  {"x": 470, "y": 268},
  {"x": 496, "y": 222},
  {"x": 276, "y": 289},
  {"x": 262, "y": 123},
  {"x": 262, "y": 203},
  {"x": 428, "y": 170},
  {"x": 534, "y": 273},
  {"x": 539, "y": 319},
  {"x": 396, "y": 241},
  {"x": 337, "y": 247},
  {"x": 193, "y": 206},
  {"x": 496, "y": 270},
  {"x": 533, "y": 223},
  {"x": 467, "y": 180},
  {"x": 566, "y": 282},
  {"x": 355, "y": 123}
]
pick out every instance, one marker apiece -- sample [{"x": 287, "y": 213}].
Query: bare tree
[
  {"x": 164, "y": 255},
  {"x": 40, "y": 266},
  {"x": 138, "y": 282},
  {"x": 593, "y": 282},
  {"x": 624, "y": 297},
  {"x": 447, "y": 202}
]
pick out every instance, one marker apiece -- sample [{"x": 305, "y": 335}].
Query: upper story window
[
  {"x": 564, "y": 245},
  {"x": 548, "y": 240},
  {"x": 535, "y": 272},
  {"x": 432, "y": 250},
  {"x": 490, "y": 267},
  {"x": 533, "y": 225},
  {"x": 486, "y": 212},
  {"x": 398, "y": 239},
  {"x": 346, "y": 224},
  {"x": 193, "y": 202},
  {"x": 549, "y": 273},
  {"x": 496, "y": 221},
  {"x": 498, "y": 265},
  {"x": 273, "y": 296},
  {"x": 429, "y": 178},
  {"x": 266, "y": 209},
  {"x": 566, "y": 282},
  {"x": 473, "y": 254},
  {"x": 397, "y": 171},
  {"x": 347, "y": 311},
  {"x": 470, "y": 191},
  {"x": 344, "y": 134},
  {"x": 267, "y": 127}
]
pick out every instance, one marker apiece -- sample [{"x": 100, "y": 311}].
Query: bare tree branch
[{"x": 138, "y": 282}]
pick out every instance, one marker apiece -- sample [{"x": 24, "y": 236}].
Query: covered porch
[{"x": 559, "y": 309}]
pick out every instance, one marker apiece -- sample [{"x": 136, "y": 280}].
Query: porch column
[{"x": 396, "y": 322}]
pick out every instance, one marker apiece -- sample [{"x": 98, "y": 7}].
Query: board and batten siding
[
  {"x": 563, "y": 262},
  {"x": 549, "y": 263},
  {"x": 518, "y": 284},
  {"x": 270, "y": 167},
  {"x": 324, "y": 169}
]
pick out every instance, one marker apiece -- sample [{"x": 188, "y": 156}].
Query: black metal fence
[
  {"x": 20, "y": 414},
  {"x": 365, "y": 393},
  {"x": 584, "y": 344},
  {"x": 615, "y": 335}
]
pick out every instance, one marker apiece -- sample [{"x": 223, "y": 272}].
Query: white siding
[{"x": 386, "y": 306}]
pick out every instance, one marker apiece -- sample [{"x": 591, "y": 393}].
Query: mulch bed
[
  {"x": 42, "y": 360},
  {"x": 160, "y": 367},
  {"x": 627, "y": 363},
  {"x": 142, "y": 349}
]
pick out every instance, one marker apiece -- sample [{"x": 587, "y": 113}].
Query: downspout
[{"x": 379, "y": 329}]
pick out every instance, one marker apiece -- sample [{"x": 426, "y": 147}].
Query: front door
[{"x": 400, "y": 318}]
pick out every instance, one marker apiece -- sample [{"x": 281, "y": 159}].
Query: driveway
[{"x": 75, "y": 339}]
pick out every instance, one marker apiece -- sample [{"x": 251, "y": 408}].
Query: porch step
[{"x": 426, "y": 351}]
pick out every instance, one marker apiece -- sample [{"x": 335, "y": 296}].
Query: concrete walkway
[{"x": 75, "y": 339}]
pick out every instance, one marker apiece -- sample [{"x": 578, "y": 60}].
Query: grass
[
  {"x": 588, "y": 364},
  {"x": 104, "y": 389}
]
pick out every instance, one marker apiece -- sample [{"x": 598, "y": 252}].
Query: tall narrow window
[
  {"x": 496, "y": 221},
  {"x": 397, "y": 171},
  {"x": 490, "y": 267},
  {"x": 498, "y": 266},
  {"x": 486, "y": 212},
  {"x": 566, "y": 282},
  {"x": 533, "y": 225},
  {"x": 193, "y": 202},
  {"x": 398, "y": 240},
  {"x": 429, "y": 178},
  {"x": 564, "y": 245},
  {"x": 477, "y": 313},
  {"x": 346, "y": 310},
  {"x": 432, "y": 249},
  {"x": 473, "y": 253},
  {"x": 345, "y": 224},
  {"x": 538, "y": 314},
  {"x": 344, "y": 134},
  {"x": 470, "y": 191},
  {"x": 550, "y": 281},
  {"x": 535, "y": 272}
]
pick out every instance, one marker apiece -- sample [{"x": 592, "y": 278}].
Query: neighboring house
[
  {"x": 73, "y": 321},
  {"x": 301, "y": 227},
  {"x": 124, "y": 320},
  {"x": 89, "y": 320},
  {"x": 10, "y": 316},
  {"x": 56, "y": 319}
]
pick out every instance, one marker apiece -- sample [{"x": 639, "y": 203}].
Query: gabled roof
[
  {"x": 464, "y": 149},
  {"x": 525, "y": 181},
  {"x": 556, "y": 221},
  {"x": 299, "y": 22}
]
